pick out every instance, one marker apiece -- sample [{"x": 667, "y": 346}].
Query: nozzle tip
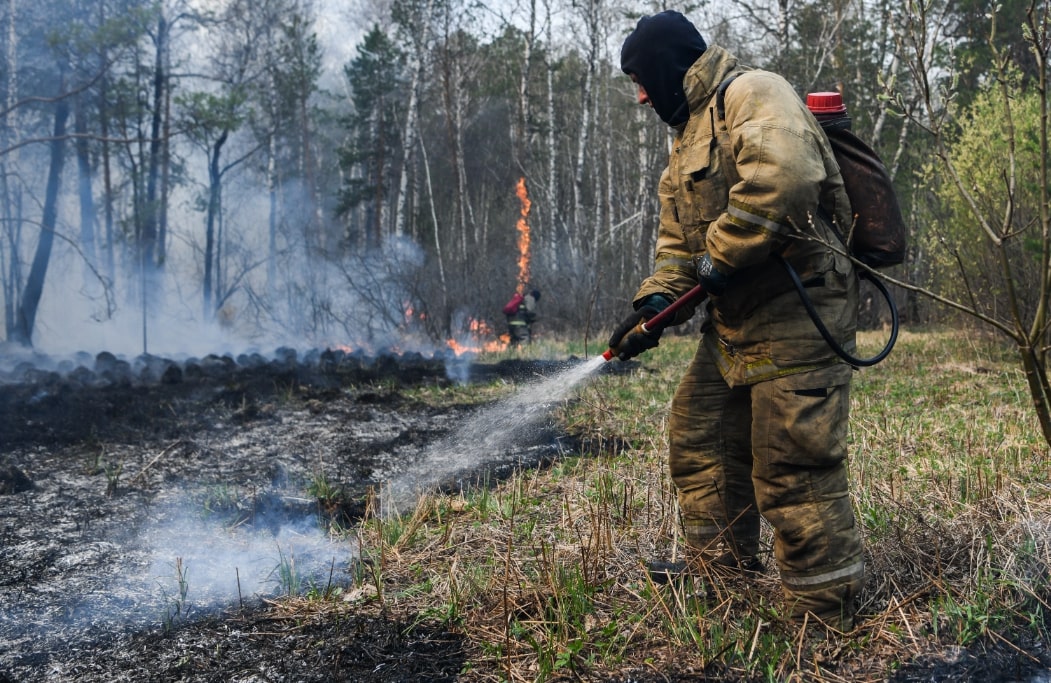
[{"x": 608, "y": 355}]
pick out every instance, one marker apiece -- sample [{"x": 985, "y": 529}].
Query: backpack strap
[
  {"x": 722, "y": 134},
  {"x": 720, "y": 95}
]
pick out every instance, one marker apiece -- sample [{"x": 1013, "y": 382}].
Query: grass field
[{"x": 544, "y": 572}]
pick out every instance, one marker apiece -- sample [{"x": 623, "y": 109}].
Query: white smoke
[{"x": 221, "y": 567}]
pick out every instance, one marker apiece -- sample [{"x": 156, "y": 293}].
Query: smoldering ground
[{"x": 162, "y": 519}]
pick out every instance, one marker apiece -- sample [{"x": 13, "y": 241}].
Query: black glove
[
  {"x": 712, "y": 280},
  {"x": 630, "y": 339}
]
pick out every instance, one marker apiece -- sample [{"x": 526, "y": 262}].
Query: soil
[
  {"x": 151, "y": 511},
  {"x": 157, "y": 515}
]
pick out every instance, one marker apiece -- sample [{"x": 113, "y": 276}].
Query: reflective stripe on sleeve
[
  {"x": 675, "y": 263},
  {"x": 745, "y": 216}
]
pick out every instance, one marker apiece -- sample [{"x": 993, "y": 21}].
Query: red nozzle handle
[{"x": 658, "y": 321}]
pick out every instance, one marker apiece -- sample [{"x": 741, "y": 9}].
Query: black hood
[{"x": 658, "y": 53}]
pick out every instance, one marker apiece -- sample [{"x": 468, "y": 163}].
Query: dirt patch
[{"x": 149, "y": 518}]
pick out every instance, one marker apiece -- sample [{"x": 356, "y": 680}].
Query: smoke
[
  {"x": 360, "y": 302},
  {"x": 182, "y": 567},
  {"x": 199, "y": 566}
]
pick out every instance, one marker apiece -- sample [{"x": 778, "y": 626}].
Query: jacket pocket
[{"x": 701, "y": 194}]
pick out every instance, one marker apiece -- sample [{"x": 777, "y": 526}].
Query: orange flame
[
  {"x": 524, "y": 237},
  {"x": 476, "y": 342},
  {"x": 476, "y": 336}
]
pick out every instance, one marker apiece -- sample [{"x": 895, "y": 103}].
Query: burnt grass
[
  {"x": 113, "y": 472},
  {"x": 102, "y": 463}
]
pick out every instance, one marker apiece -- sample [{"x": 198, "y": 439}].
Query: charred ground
[{"x": 100, "y": 462}]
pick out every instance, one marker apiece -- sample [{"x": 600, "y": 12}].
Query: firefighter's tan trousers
[{"x": 776, "y": 448}]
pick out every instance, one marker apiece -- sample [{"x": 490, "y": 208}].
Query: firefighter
[
  {"x": 521, "y": 314},
  {"x": 758, "y": 424}
]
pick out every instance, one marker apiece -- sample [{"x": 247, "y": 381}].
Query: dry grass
[{"x": 544, "y": 573}]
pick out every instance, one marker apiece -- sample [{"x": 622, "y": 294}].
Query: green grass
[{"x": 543, "y": 573}]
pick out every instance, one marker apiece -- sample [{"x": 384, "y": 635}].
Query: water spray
[
  {"x": 659, "y": 321},
  {"x": 476, "y": 443}
]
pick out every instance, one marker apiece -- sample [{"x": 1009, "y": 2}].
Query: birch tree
[{"x": 414, "y": 20}]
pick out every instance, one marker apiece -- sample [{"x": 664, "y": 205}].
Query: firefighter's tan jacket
[{"x": 765, "y": 203}]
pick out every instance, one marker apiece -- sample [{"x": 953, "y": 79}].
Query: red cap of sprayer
[{"x": 825, "y": 103}]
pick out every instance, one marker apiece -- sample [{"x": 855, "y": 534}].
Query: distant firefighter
[{"x": 521, "y": 314}]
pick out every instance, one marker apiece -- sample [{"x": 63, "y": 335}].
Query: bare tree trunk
[
  {"x": 584, "y": 138},
  {"x": 10, "y": 258},
  {"x": 1039, "y": 37},
  {"x": 408, "y": 138},
  {"x": 376, "y": 224},
  {"x": 148, "y": 238},
  {"x": 215, "y": 180},
  {"x": 452, "y": 95},
  {"x": 271, "y": 191},
  {"x": 783, "y": 35},
  {"x": 520, "y": 126},
  {"x": 166, "y": 162},
  {"x": 438, "y": 251},
  {"x": 26, "y": 317},
  {"x": 84, "y": 191},
  {"x": 107, "y": 176},
  {"x": 889, "y": 79},
  {"x": 308, "y": 170},
  {"x": 555, "y": 234}
]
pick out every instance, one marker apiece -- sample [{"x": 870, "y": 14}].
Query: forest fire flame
[
  {"x": 480, "y": 338},
  {"x": 524, "y": 238}
]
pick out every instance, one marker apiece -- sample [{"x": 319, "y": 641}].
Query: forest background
[{"x": 194, "y": 176}]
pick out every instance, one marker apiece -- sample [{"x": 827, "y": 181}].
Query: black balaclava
[{"x": 658, "y": 53}]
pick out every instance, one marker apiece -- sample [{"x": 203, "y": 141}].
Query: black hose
[{"x": 840, "y": 351}]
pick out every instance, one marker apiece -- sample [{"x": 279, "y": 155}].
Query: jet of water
[{"x": 490, "y": 432}]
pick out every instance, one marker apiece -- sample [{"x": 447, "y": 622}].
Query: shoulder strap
[
  {"x": 720, "y": 95},
  {"x": 722, "y": 134}
]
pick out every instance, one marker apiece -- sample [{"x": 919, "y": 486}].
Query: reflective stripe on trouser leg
[
  {"x": 519, "y": 331},
  {"x": 799, "y": 439},
  {"x": 710, "y": 461}
]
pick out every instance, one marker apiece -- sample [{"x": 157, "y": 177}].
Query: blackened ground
[
  {"x": 254, "y": 648},
  {"x": 110, "y": 483}
]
